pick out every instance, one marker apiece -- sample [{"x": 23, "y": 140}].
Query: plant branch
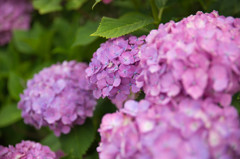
[
  {"x": 160, "y": 14},
  {"x": 154, "y": 11}
]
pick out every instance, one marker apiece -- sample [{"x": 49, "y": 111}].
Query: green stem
[
  {"x": 160, "y": 14},
  {"x": 203, "y": 5},
  {"x": 154, "y": 11}
]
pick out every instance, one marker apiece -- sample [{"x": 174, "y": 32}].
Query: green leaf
[
  {"x": 14, "y": 85},
  {"x": 104, "y": 106},
  {"x": 36, "y": 41},
  {"x": 83, "y": 34},
  {"x": 52, "y": 141},
  {"x": 13, "y": 56},
  {"x": 112, "y": 28},
  {"x": 225, "y": 7},
  {"x": 47, "y": 6},
  {"x": 92, "y": 156},
  {"x": 236, "y": 101},
  {"x": 4, "y": 63},
  {"x": 96, "y": 2},
  {"x": 160, "y": 3},
  {"x": 63, "y": 30},
  {"x": 74, "y": 4},
  {"x": 77, "y": 142},
  {"x": 70, "y": 157},
  {"x": 23, "y": 41},
  {"x": 9, "y": 114}
]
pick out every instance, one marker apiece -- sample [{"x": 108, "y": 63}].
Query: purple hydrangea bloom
[
  {"x": 114, "y": 68},
  {"x": 198, "y": 56},
  {"x": 187, "y": 129},
  {"x": 58, "y": 97},
  {"x": 14, "y": 14},
  {"x": 28, "y": 150}
]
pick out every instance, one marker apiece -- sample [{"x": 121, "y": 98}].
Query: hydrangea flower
[
  {"x": 188, "y": 129},
  {"x": 198, "y": 56},
  {"x": 114, "y": 68},
  {"x": 14, "y": 14},
  {"x": 58, "y": 97},
  {"x": 28, "y": 150},
  {"x": 107, "y": 1}
]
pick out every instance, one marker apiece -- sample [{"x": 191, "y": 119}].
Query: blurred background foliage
[{"x": 60, "y": 30}]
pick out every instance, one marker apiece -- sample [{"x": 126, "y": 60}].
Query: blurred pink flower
[
  {"x": 197, "y": 56},
  {"x": 28, "y": 150},
  {"x": 59, "y": 97},
  {"x": 107, "y": 1},
  {"x": 198, "y": 129},
  {"x": 14, "y": 14}
]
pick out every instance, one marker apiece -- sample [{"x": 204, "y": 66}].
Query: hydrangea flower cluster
[
  {"x": 58, "y": 97},
  {"x": 107, "y": 1},
  {"x": 198, "y": 56},
  {"x": 28, "y": 150},
  {"x": 114, "y": 68},
  {"x": 15, "y": 14},
  {"x": 196, "y": 129}
]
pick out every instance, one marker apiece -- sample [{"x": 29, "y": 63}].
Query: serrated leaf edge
[{"x": 107, "y": 37}]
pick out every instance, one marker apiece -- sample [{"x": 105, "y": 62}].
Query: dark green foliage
[
  {"x": 76, "y": 143},
  {"x": 236, "y": 101}
]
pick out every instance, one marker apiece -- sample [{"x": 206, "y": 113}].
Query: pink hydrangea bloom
[
  {"x": 107, "y": 1},
  {"x": 58, "y": 97},
  {"x": 14, "y": 14},
  {"x": 114, "y": 68},
  {"x": 188, "y": 129},
  {"x": 28, "y": 150},
  {"x": 198, "y": 56}
]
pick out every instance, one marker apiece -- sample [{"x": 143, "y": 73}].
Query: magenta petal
[
  {"x": 117, "y": 82},
  {"x": 194, "y": 82},
  {"x": 131, "y": 108},
  {"x": 97, "y": 93},
  {"x": 219, "y": 76},
  {"x": 66, "y": 129},
  {"x": 101, "y": 83}
]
